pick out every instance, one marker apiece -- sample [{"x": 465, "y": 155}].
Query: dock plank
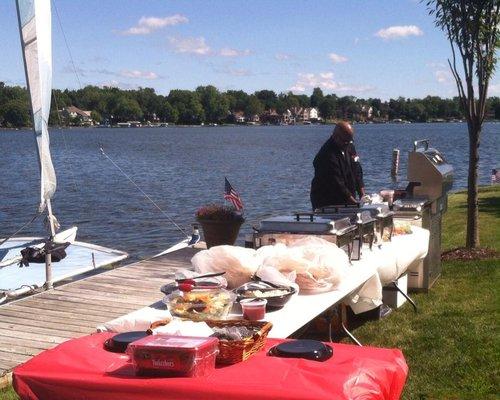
[{"x": 32, "y": 324}]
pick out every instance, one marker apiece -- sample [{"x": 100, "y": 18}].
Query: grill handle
[
  {"x": 309, "y": 215},
  {"x": 416, "y": 144}
]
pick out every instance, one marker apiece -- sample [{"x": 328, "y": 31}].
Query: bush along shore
[
  {"x": 450, "y": 345},
  {"x": 110, "y": 106}
]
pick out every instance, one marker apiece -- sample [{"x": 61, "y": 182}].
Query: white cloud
[
  {"x": 228, "y": 52},
  {"x": 443, "y": 76},
  {"x": 325, "y": 80},
  {"x": 435, "y": 65},
  {"x": 494, "y": 89},
  {"x": 190, "y": 45},
  {"x": 282, "y": 56},
  {"x": 233, "y": 71},
  {"x": 396, "y": 32},
  {"x": 336, "y": 58},
  {"x": 139, "y": 74},
  {"x": 146, "y": 25}
]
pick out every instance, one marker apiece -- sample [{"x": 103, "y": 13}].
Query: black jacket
[
  {"x": 357, "y": 169},
  {"x": 334, "y": 179}
]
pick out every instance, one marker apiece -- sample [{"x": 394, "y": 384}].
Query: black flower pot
[{"x": 217, "y": 232}]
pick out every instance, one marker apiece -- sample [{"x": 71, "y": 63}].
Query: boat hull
[{"x": 81, "y": 257}]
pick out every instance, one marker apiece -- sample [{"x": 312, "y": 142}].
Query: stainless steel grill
[{"x": 430, "y": 178}]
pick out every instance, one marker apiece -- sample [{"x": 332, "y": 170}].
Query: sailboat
[{"x": 34, "y": 17}]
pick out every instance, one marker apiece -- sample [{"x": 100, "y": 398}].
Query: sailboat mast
[
  {"x": 35, "y": 28},
  {"x": 48, "y": 256}
]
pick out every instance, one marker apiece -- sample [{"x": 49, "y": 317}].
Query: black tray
[
  {"x": 302, "y": 348},
  {"x": 119, "y": 342}
]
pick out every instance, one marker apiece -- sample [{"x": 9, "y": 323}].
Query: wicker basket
[{"x": 234, "y": 351}]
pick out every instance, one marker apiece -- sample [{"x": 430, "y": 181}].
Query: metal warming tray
[
  {"x": 364, "y": 222},
  {"x": 286, "y": 228},
  {"x": 385, "y": 219}
]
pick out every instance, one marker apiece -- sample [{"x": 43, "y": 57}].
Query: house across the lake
[{"x": 74, "y": 116}]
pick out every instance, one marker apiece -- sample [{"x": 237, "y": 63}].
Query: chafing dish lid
[
  {"x": 378, "y": 210},
  {"x": 355, "y": 214},
  {"x": 305, "y": 223}
]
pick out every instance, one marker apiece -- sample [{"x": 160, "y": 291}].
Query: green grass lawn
[{"x": 451, "y": 345}]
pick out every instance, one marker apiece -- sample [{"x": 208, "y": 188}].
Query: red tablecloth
[{"x": 81, "y": 369}]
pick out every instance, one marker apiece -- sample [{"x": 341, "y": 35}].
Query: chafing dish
[
  {"x": 287, "y": 228},
  {"x": 364, "y": 222}
]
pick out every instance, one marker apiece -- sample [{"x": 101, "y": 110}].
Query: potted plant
[{"x": 220, "y": 224}]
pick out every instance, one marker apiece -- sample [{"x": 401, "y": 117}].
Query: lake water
[{"x": 183, "y": 168}]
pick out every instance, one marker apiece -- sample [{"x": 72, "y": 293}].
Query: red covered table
[{"x": 81, "y": 369}]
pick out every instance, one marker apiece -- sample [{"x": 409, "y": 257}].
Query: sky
[{"x": 363, "y": 48}]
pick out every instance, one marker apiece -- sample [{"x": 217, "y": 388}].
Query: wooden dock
[{"x": 33, "y": 324}]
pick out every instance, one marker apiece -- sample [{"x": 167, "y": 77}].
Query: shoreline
[{"x": 56, "y": 127}]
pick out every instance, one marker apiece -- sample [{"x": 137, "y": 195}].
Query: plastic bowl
[
  {"x": 253, "y": 309},
  {"x": 200, "y": 305}
]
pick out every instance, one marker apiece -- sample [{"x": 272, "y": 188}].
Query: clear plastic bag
[{"x": 239, "y": 263}]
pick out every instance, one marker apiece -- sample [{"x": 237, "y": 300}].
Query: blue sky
[{"x": 385, "y": 48}]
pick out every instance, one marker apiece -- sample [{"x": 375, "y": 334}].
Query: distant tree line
[{"x": 207, "y": 104}]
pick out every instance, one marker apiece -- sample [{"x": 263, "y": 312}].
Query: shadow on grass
[{"x": 487, "y": 205}]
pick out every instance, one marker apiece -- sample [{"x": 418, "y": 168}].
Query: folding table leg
[
  {"x": 406, "y": 296},
  {"x": 343, "y": 319}
]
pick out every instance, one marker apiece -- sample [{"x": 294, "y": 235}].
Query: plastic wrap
[
  {"x": 318, "y": 264},
  {"x": 239, "y": 263}
]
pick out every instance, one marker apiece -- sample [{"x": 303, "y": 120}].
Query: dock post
[{"x": 395, "y": 163}]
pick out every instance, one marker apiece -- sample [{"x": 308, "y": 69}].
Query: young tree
[{"x": 472, "y": 27}]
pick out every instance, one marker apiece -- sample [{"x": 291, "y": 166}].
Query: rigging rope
[
  {"x": 67, "y": 46},
  {"x": 142, "y": 191},
  {"x": 22, "y": 227}
]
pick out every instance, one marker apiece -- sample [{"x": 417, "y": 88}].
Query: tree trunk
[{"x": 472, "y": 237}]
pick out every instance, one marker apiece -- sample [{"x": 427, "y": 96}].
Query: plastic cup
[{"x": 253, "y": 310}]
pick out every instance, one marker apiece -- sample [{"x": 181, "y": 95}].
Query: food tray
[{"x": 235, "y": 351}]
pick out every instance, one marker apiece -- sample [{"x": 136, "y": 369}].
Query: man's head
[{"x": 343, "y": 134}]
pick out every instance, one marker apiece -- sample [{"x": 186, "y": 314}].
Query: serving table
[{"x": 81, "y": 369}]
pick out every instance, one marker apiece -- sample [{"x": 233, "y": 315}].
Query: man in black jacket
[{"x": 336, "y": 176}]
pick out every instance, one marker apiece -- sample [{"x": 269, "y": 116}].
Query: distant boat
[{"x": 34, "y": 19}]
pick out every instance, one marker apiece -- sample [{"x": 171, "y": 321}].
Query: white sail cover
[{"x": 35, "y": 28}]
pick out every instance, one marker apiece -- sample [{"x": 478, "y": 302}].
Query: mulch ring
[{"x": 464, "y": 254}]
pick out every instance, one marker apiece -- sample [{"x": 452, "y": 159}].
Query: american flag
[
  {"x": 232, "y": 195},
  {"x": 495, "y": 176}
]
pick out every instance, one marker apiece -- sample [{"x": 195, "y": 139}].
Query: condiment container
[
  {"x": 166, "y": 355},
  {"x": 253, "y": 310}
]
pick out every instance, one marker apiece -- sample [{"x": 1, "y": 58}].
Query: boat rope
[
  {"x": 142, "y": 191},
  {"x": 67, "y": 46},
  {"x": 22, "y": 227},
  {"x": 66, "y": 147}
]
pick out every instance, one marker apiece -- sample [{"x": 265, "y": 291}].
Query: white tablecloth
[{"x": 392, "y": 259}]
